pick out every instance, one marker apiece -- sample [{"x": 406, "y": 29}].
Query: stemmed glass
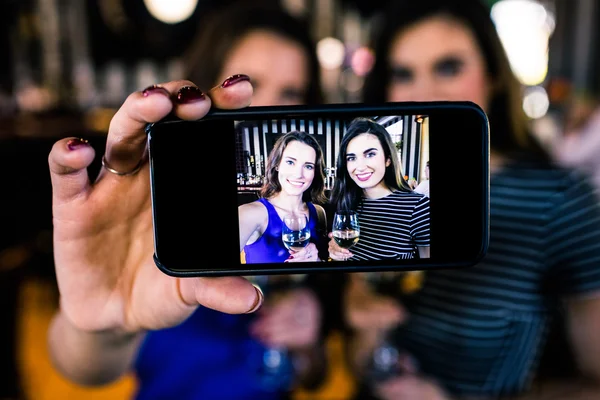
[
  {"x": 275, "y": 370},
  {"x": 295, "y": 231},
  {"x": 387, "y": 358},
  {"x": 346, "y": 229}
]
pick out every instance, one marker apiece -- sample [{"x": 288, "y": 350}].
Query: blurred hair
[
  {"x": 271, "y": 186},
  {"x": 509, "y": 132},
  {"x": 346, "y": 194},
  {"x": 221, "y": 29}
]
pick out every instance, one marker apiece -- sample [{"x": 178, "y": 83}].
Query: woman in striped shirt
[
  {"x": 370, "y": 182},
  {"x": 480, "y": 332}
]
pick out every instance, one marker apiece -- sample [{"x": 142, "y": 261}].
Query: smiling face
[
  {"x": 366, "y": 162},
  {"x": 437, "y": 59},
  {"x": 277, "y": 67},
  {"x": 297, "y": 168}
]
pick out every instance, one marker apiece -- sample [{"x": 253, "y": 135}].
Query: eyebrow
[
  {"x": 455, "y": 58},
  {"x": 295, "y": 159},
  {"x": 459, "y": 56},
  {"x": 364, "y": 152}
]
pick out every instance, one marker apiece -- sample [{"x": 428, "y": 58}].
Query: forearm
[
  {"x": 90, "y": 358},
  {"x": 574, "y": 389}
]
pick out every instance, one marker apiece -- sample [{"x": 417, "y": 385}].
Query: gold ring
[{"x": 110, "y": 169}]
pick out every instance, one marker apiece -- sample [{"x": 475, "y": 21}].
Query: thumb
[
  {"x": 231, "y": 295},
  {"x": 68, "y": 161}
]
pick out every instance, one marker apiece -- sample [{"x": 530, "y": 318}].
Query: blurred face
[
  {"x": 297, "y": 168},
  {"x": 438, "y": 59},
  {"x": 277, "y": 67},
  {"x": 366, "y": 161}
]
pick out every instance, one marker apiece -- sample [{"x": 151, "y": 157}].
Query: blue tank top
[
  {"x": 269, "y": 247},
  {"x": 209, "y": 356}
]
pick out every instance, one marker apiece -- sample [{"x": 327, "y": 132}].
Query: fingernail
[
  {"x": 77, "y": 143},
  {"x": 154, "y": 89},
  {"x": 233, "y": 79},
  {"x": 260, "y": 297},
  {"x": 189, "y": 94}
]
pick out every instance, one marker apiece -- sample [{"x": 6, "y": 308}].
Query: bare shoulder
[{"x": 254, "y": 210}]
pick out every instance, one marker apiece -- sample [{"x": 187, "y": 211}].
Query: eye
[
  {"x": 289, "y": 162},
  {"x": 309, "y": 167},
  {"x": 350, "y": 158},
  {"x": 400, "y": 74},
  {"x": 449, "y": 67},
  {"x": 292, "y": 96},
  {"x": 371, "y": 154}
]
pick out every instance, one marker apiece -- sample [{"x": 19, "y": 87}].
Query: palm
[{"x": 103, "y": 251}]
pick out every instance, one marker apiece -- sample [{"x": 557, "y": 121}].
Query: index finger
[{"x": 126, "y": 140}]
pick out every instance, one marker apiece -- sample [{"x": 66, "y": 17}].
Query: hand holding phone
[{"x": 103, "y": 234}]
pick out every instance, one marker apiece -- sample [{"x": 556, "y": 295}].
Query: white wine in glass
[
  {"x": 295, "y": 231},
  {"x": 346, "y": 230}
]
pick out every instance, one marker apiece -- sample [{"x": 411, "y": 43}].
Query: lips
[
  {"x": 364, "y": 177},
  {"x": 296, "y": 183}
]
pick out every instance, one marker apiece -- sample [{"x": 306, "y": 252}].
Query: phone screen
[{"x": 205, "y": 173}]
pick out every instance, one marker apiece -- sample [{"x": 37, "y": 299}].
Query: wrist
[{"x": 114, "y": 336}]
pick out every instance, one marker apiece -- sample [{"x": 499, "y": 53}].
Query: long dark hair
[
  {"x": 271, "y": 185},
  {"x": 509, "y": 132},
  {"x": 346, "y": 194},
  {"x": 220, "y": 30}
]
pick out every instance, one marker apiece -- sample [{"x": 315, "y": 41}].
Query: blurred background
[{"x": 67, "y": 65}]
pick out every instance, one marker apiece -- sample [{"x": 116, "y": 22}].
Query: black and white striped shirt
[
  {"x": 392, "y": 227},
  {"x": 479, "y": 331}
]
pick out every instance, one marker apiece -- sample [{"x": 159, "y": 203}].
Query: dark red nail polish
[
  {"x": 189, "y": 94},
  {"x": 76, "y": 143},
  {"x": 154, "y": 89},
  {"x": 233, "y": 79}
]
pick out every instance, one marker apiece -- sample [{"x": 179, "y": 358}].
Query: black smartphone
[{"x": 209, "y": 177}]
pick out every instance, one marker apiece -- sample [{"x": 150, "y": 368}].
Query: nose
[
  {"x": 297, "y": 171},
  {"x": 263, "y": 96},
  {"x": 425, "y": 89},
  {"x": 361, "y": 163}
]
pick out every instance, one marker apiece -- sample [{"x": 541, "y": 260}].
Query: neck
[
  {"x": 288, "y": 203},
  {"x": 377, "y": 192}
]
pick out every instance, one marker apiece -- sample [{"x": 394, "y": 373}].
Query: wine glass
[
  {"x": 388, "y": 359},
  {"x": 345, "y": 230},
  {"x": 275, "y": 370},
  {"x": 295, "y": 231}
]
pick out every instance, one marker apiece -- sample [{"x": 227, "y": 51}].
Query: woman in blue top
[
  {"x": 294, "y": 182},
  {"x": 184, "y": 338}
]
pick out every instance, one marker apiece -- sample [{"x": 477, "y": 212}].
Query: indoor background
[{"x": 67, "y": 65}]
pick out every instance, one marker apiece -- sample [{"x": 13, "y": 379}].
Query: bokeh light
[
  {"x": 171, "y": 11},
  {"x": 362, "y": 61},
  {"x": 331, "y": 52},
  {"x": 525, "y": 27},
  {"x": 536, "y": 102}
]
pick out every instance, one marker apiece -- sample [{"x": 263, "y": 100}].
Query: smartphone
[{"x": 203, "y": 171}]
